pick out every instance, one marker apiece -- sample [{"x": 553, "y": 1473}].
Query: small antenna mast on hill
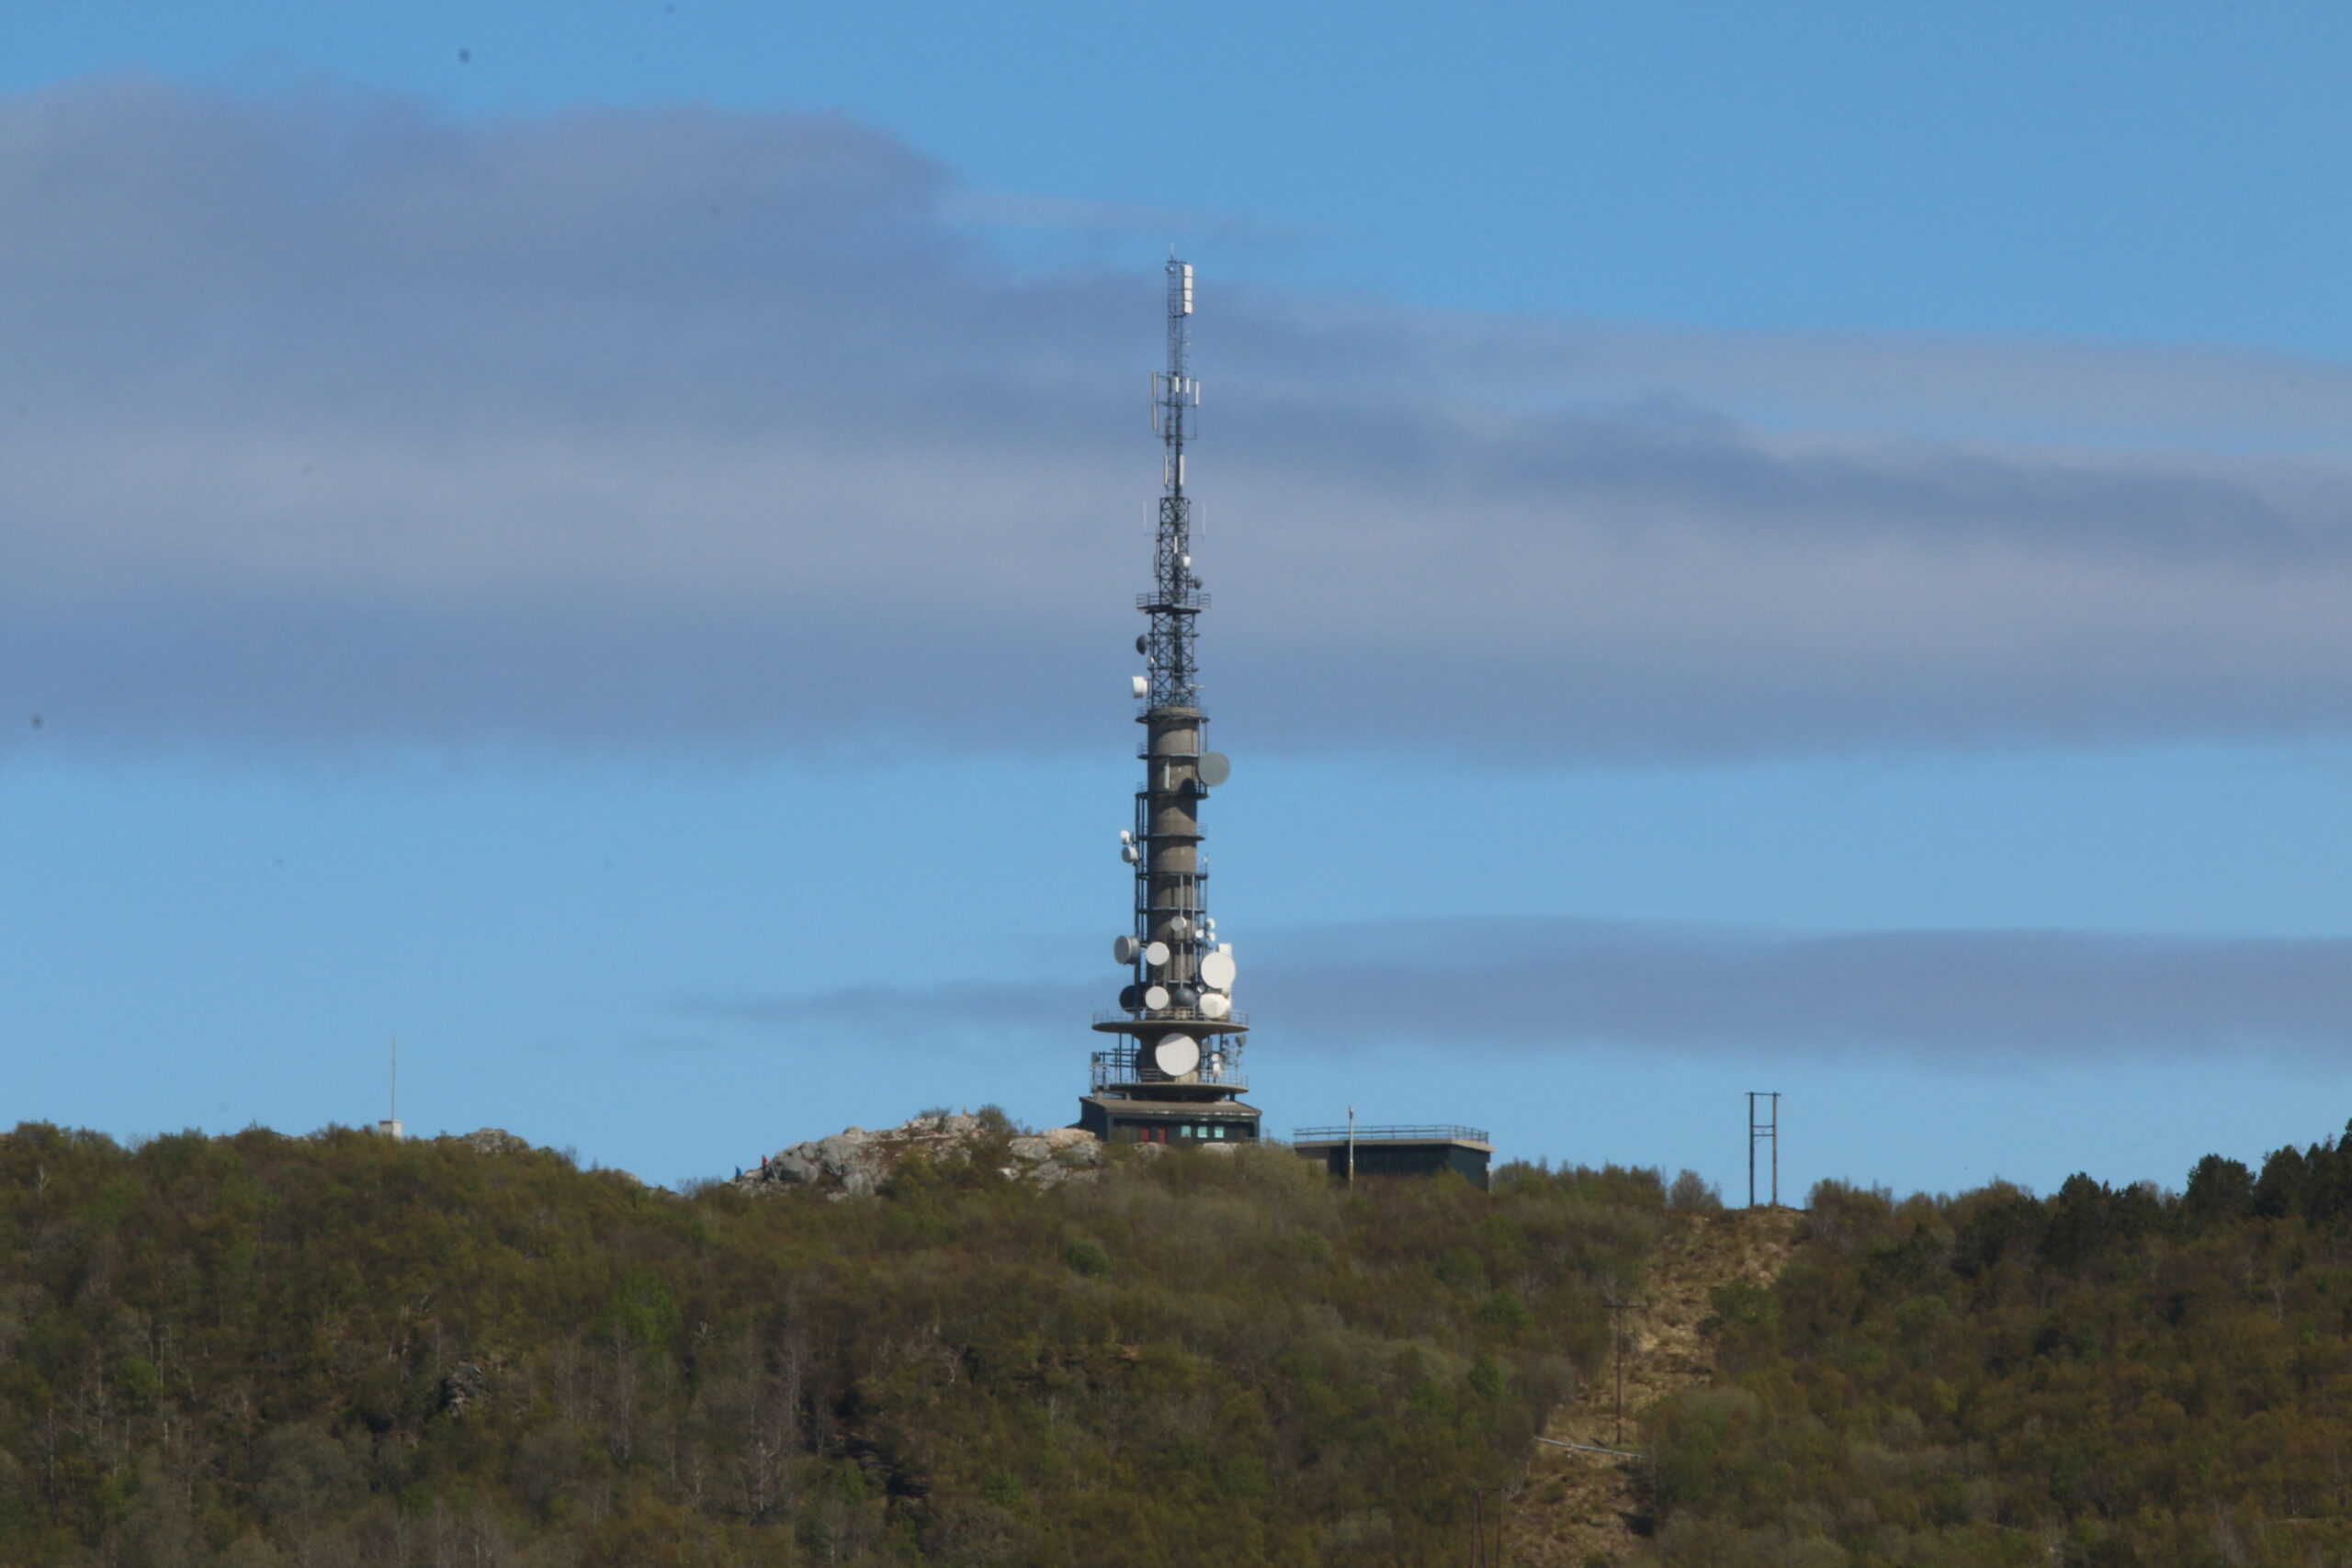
[{"x": 390, "y": 1125}]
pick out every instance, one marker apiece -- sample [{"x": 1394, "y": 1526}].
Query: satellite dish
[
  {"x": 1156, "y": 954},
  {"x": 1215, "y": 1004},
  {"x": 1131, "y": 997},
  {"x": 1215, "y": 768},
  {"x": 1217, "y": 969},
  {"x": 1176, "y": 1054},
  {"x": 1143, "y": 645},
  {"x": 1155, "y": 999},
  {"x": 1179, "y": 928},
  {"x": 1124, "y": 950},
  {"x": 1142, "y": 685},
  {"x": 1185, "y": 997}
]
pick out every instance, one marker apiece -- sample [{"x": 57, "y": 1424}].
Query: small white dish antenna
[
  {"x": 1156, "y": 954},
  {"x": 1179, "y": 928},
  {"x": 1176, "y": 1054},
  {"x": 1124, "y": 950},
  {"x": 1215, "y": 1004},
  {"x": 1155, "y": 999},
  {"x": 1215, "y": 768},
  {"x": 1217, "y": 969},
  {"x": 1126, "y": 835}
]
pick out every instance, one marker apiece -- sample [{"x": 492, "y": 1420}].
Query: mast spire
[{"x": 1174, "y": 394}]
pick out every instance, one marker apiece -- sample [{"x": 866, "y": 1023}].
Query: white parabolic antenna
[
  {"x": 1155, "y": 999},
  {"x": 1215, "y": 1004},
  {"x": 1124, "y": 950},
  {"x": 1215, "y": 768},
  {"x": 1176, "y": 1054},
  {"x": 1156, "y": 954},
  {"x": 1217, "y": 969}
]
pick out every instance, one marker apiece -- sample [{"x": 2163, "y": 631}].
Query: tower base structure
[
  {"x": 1221, "y": 1124},
  {"x": 1133, "y": 1102}
]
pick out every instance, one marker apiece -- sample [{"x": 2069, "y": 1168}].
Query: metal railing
[
  {"x": 1184, "y": 599},
  {"x": 1109, "y": 1067},
  {"x": 1394, "y": 1135}
]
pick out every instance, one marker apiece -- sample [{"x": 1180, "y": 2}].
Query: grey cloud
[
  {"x": 1953, "y": 999},
  {"x": 949, "y": 1015},
  {"x": 1949, "y": 996},
  {"x": 325, "y": 418}
]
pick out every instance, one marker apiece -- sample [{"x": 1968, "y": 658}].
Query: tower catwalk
[{"x": 1174, "y": 1076}]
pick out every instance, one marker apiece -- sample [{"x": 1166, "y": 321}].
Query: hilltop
[{"x": 263, "y": 1350}]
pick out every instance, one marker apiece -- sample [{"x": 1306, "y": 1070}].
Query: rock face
[
  {"x": 466, "y": 1383},
  {"x": 494, "y": 1141},
  {"x": 854, "y": 1163}
]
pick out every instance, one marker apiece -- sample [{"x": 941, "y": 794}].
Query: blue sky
[{"x": 1794, "y": 551}]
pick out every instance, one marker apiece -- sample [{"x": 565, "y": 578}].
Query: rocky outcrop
[
  {"x": 856, "y": 1163},
  {"x": 494, "y": 1141},
  {"x": 466, "y": 1381}
]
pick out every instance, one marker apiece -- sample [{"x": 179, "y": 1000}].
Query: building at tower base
[
  {"x": 1122, "y": 1120},
  {"x": 1350, "y": 1152}
]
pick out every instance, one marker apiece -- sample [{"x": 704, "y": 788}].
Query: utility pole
[
  {"x": 1764, "y": 1129},
  {"x": 1486, "y": 1545},
  {"x": 1617, "y": 1304},
  {"x": 1352, "y": 1146}
]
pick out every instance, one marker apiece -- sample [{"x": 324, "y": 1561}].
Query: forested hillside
[
  {"x": 342, "y": 1349},
  {"x": 2104, "y": 1377}
]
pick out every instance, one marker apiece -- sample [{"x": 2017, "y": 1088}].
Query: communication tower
[{"x": 1175, "y": 1076}]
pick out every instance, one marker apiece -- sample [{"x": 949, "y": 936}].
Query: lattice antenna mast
[{"x": 1176, "y": 593}]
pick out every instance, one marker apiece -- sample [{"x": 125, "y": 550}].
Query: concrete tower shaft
[{"x": 1174, "y": 903}]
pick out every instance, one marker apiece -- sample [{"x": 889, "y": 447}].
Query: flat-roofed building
[{"x": 1358, "y": 1151}]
